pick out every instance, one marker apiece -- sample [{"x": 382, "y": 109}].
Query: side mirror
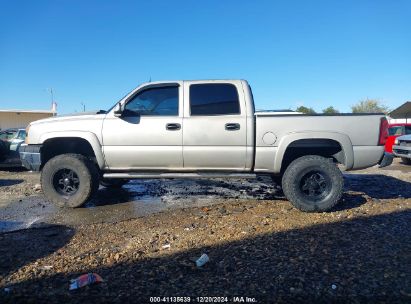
[{"x": 118, "y": 110}]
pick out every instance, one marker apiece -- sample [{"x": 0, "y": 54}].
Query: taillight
[{"x": 383, "y": 131}]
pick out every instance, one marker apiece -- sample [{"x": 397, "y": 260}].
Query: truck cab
[{"x": 181, "y": 126}]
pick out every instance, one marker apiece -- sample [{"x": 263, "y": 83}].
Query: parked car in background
[
  {"x": 402, "y": 148},
  {"x": 7, "y": 134},
  {"x": 10, "y": 142},
  {"x": 17, "y": 140},
  {"x": 395, "y": 130},
  {"x": 4, "y": 150}
]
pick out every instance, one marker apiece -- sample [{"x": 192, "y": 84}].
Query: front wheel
[
  {"x": 313, "y": 183},
  {"x": 69, "y": 180}
]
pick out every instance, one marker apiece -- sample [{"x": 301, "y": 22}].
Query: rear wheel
[
  {"x": 69, "y": 180},
  {"x": 406, "y": 161},
  {"x": 313, "y": 183},
  {"x": 113, "y": 182}
]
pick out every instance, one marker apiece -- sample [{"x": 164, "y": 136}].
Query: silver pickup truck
[{"x": 201, "y": 129}]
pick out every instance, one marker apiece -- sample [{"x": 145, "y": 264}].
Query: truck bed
[{"x": 358, "y": 135}]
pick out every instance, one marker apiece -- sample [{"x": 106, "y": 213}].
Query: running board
[{"x": 178, "y": 175}]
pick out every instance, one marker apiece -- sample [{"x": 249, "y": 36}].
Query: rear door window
[{"x": 214, "y": 99}]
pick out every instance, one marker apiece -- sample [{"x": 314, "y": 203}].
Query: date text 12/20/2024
[{"x": 237, "y": 299}]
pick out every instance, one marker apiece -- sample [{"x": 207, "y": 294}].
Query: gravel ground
[
  {"x": 17, "y": 183},
  {"x": 262, "y": 249}
]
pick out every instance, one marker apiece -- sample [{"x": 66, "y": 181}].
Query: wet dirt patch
[
  {"x": 24, "y": 206},
  {"x": 136, "y": 199}
]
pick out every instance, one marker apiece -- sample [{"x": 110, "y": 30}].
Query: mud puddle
[{"x": 138, "y": 198}]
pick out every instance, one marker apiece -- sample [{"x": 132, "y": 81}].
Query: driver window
[{"x": 162, "y": 101}]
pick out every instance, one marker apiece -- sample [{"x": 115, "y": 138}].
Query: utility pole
[
  {"x": 52, "y": 95},
  {"x": 53, "y": 104},
  {"x": 84, "y": 106}
]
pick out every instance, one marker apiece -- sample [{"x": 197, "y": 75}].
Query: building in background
[
  {"x": 402, "y": 114},
  {"x": 21, "y": 118}
]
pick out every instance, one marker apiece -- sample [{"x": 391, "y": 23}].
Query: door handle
[
  {"x": 173, "y": 126},
  {"x": 232, "y": 126}
]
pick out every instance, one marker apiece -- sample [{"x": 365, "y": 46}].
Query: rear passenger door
[{"x": 215, "y": 130}]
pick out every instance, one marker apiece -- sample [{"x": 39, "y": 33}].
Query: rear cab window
[{"x": 211, "y": 99}]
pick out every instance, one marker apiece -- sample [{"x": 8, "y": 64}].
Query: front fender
[
  {"x": 342, "y": 139},
  {"x": 89, "y": 136}
]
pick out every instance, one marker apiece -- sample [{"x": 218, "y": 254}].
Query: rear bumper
[
  {"x": 30, "y": 157},
  {"x": 386, "y": 160},
  {"x": 402, "y": 151},
  {"x": 367, "y": 156}
]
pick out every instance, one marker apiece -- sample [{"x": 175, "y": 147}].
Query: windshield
[
  {"x": 7, "y": 134},
  {"x": 119, "y": 101},
  {"x": 395, "y": 131}
]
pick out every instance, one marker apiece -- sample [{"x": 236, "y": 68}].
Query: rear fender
[{"x": 342, "y": 139}]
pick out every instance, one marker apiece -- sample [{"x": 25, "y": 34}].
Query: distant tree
[
  {"x": 369, "y": 106},
  {"x": 305, "y": 110},
  {"x": 330, "y": 110}
]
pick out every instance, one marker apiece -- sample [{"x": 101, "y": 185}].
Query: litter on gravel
[
  {"x": 47, "y": 267},
  {"x": 84, "y": 280},
  {"x": 201, "y": 261}
]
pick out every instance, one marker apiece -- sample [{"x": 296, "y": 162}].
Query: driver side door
[{"x": 148, "y": 135}]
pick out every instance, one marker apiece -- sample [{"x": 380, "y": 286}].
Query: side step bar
[{"x": 178, "y": 175}]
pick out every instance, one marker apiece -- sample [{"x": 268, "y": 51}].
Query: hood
[
  {"x": 73, "y": 116},
  {"x": 405, "y": 137}
]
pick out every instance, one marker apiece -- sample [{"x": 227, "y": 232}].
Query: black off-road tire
[
  {"x": 86, "y": 176},
  {"x": 113, "y": 182},
  {"x": 313, "y": 183},
  {"x": 406, "y": 161}
]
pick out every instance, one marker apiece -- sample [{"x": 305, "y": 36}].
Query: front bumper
[
  {"x": 402, "y": 151},
  {"x": 386, "y": 160},
  {"x": 30, "y": 156}
]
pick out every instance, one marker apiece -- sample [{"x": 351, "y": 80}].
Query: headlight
[{"x": 396, "y": 141}]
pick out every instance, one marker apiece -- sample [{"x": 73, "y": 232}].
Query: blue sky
[{"x": 312, "y": 53}]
